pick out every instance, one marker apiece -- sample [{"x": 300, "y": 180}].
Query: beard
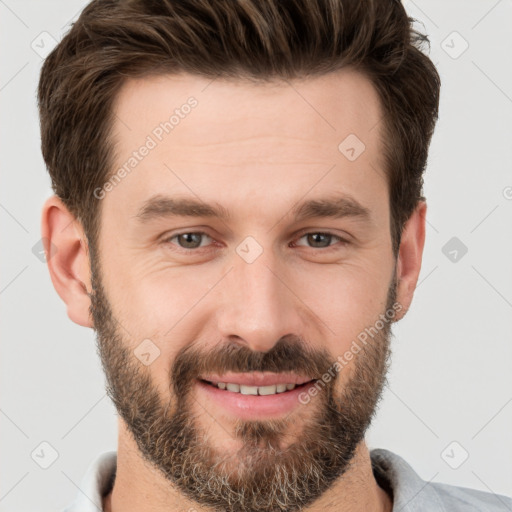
[{"x": 264, "y": 474}]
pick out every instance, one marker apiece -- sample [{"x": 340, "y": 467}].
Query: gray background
[{"x": 450, "y": 392}]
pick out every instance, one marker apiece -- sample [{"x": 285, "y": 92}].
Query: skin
[{"x": 257, "y": 150}]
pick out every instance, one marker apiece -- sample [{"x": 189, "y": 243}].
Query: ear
[
  {"x": 410, "y": 257},
  {"x": 67, "y": 257}
]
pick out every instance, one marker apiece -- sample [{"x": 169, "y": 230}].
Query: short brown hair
[{"x": 261, "y": 40}]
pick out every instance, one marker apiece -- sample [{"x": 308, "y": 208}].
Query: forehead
[
  {"x": 332, "y": 103},
  {"x": 224, "y": 136}
]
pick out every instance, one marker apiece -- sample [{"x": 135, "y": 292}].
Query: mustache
[{"x": 289, "y": 354}]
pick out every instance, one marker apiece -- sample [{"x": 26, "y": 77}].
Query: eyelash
[{"x": 302, "y": 234}]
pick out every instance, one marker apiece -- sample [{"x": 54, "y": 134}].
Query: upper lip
[{"x": 257, "y": 378}]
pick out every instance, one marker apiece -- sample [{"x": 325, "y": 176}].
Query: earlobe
[
  {"x": 410, "y": 257},
  {"x": 67, "y": 258}
]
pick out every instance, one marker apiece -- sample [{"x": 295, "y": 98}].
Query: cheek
[
  {"x": 165, "y": 307},
  {"x": 347, "y": 299},
  {"x": 153, "y": 310},
  {"x": 148, "y": 294}
]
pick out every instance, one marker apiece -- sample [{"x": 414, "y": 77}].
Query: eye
[
  {"x": 190, "y": 240},
  {"x": 321, "y": 240}
]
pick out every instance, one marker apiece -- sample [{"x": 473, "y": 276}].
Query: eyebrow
[{"x": 337, "y": 207}]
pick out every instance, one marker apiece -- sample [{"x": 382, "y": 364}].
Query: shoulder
[
  {"x": 95, "y": 484},
  {"x": 413, "y": 494},
  {"x": 464, "y": 499}
]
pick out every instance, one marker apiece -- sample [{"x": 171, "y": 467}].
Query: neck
[{"x": 139, "y": 487}]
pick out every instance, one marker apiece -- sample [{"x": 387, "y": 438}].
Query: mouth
[
  {"x": 272, "y": 389},
  {"x": 252, "y": 396}
]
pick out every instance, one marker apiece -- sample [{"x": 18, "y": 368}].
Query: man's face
[{"x": 260, "y": 297}]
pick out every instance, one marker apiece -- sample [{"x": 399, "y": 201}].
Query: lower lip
[{"x": 250, "y": 407}]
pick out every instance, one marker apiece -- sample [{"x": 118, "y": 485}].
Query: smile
[
  {"x": 254, "y": 390},
  {"x": 253, "y": 396}
]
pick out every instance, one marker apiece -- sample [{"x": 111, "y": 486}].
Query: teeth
[
  {"x": 255, "y": 390},
  {"x": 267, "y": 390},
  {"x": 249, "y": 390}
]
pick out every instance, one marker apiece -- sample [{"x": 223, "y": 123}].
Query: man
[{"x": 238, "y": 215}]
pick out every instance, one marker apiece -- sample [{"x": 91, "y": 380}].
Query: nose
[{"x": 257, "y": 305}]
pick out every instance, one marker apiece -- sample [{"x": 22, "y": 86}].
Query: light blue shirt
[{"x": 410, "y": 492}]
